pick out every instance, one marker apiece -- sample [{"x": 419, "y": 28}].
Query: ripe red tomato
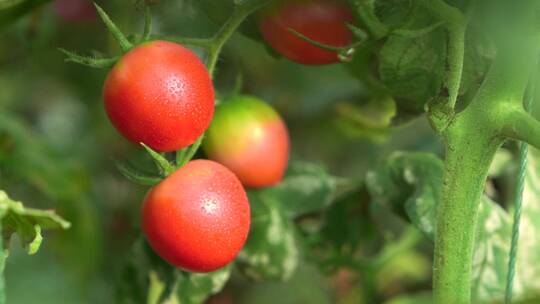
[
  {"x": 75, "y": 10},
  {"x": 160, "y": 94},
  {"x": 198, "y": 218},
  {"x": 323, "y": 21},
  {"x": 250, "y": 138}
]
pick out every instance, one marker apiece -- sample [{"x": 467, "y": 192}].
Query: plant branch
[
  {"x": 470, "y": 149},
  {"x": 522, "y": 126},
  {"x": 365, "y": 9},
  {"x": 472, "y": 139},
  {"x": 214, "y": 47},
  {"x": 240, "y": 13}
]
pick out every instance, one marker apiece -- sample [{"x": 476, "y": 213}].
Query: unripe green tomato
[{"x": 249, "y": 137}]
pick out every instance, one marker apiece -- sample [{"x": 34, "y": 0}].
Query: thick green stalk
[
  {"x": 468, "y": 157},
  {"x": 472, "y": 138}
]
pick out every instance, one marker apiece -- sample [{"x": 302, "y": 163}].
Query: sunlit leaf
[
  {"x": 305, "y": 188},
  {"x": 27, "y": 223},
  {"x": 195, "y": 288},
  {"x": 271, "y": 252}
]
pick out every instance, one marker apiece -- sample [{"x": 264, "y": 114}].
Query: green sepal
[
  {"x": 94, "y": 62},
  {"x": 135, "y": 176},
  {"x": 124, "y": 43},
  {"x": 164, "y": 166}
]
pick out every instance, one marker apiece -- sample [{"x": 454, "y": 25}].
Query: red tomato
[
  {"x": 75, "y": 10},
  {"x": 160, "y": 94},
  {"x": 323, "y": 21},
  {"x": 249, "y": 137},
  {"x": 198, "y": 218}
]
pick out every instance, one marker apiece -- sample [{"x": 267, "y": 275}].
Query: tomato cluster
[
  {"x": 198, "y": 218},
  {"x": 161, "y": 94}
]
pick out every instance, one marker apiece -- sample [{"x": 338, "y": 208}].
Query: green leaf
[
  {"x": 393, "y": 13},
  {"x": 367, "y": 118},
  {"x": 195, "y": 288},
  {"x": 145, "y": 277},
  {"x": 136, "y": 176},
  {"x": 27, "y": 222},
  {"x": 305, "y": 188},
  {"x": 411, "y": 184},
  {"x": 335, "y": 238},
  {"x": 414, "y": 68},
  {"x": 270, "y": 252}
]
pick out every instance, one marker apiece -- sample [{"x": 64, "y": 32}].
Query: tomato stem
[
  {"x": 468, "y": 158},
  {"x": 523, "y": 127},
  {"x": 188, "y": 153},
  {"x": 214, "y": 46},
  {"x": 472, "y": 138},
  {"x": 240, "y": 13},
  {"x": 147, "y": 24}
]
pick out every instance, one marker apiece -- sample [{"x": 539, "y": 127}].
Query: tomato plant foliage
[{"x": 307, "y": 170}]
